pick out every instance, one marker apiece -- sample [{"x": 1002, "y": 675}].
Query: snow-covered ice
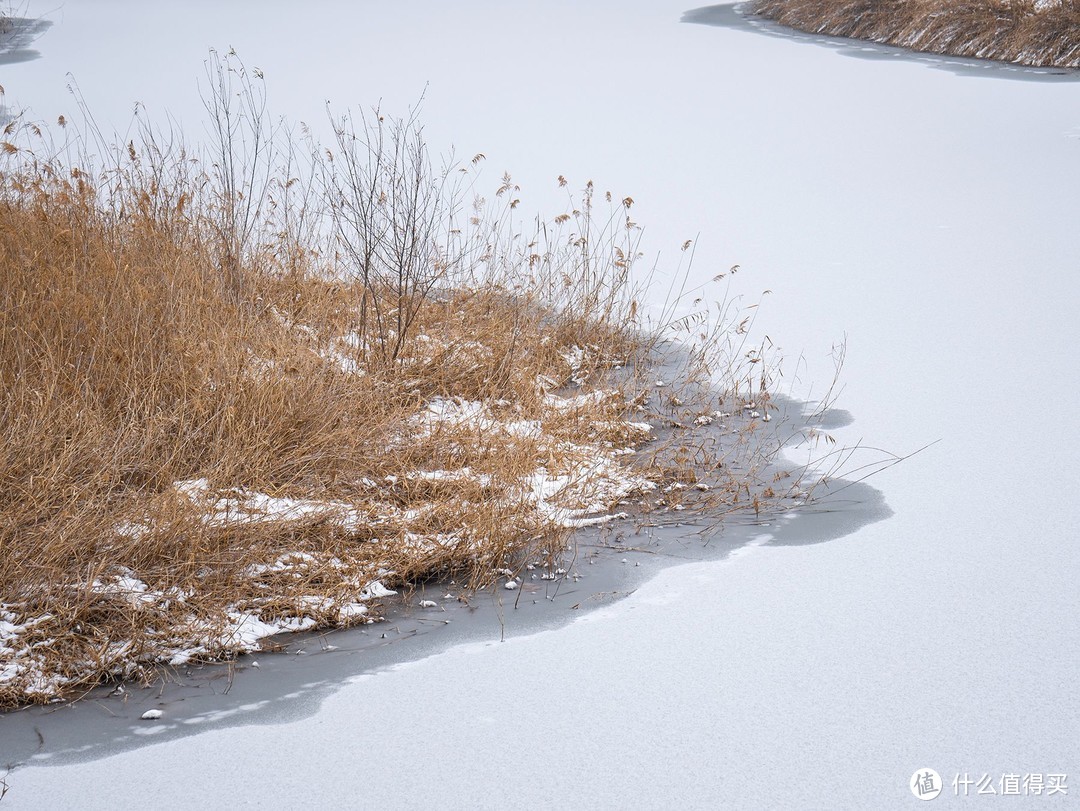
[{"x": 928, "y": 215}]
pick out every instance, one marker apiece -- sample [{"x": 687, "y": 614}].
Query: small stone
[{"x": 151, "y": 715}]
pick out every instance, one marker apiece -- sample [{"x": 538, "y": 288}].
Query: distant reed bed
[{"x": 1043, "y": 33}]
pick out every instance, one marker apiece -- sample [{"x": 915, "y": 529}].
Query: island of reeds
[
  {"x": 1042, "y": 33},
  {"x": 260, "y": 385}
]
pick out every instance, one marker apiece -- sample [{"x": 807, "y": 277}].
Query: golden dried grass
[{"x": 162, "y": 323}]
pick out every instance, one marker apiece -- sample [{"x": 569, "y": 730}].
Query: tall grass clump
[
  {"x": 1043, "y": 33},
  {"x": 251, "y": 387}
]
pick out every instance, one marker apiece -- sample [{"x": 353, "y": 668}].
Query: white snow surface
[
  {"x": 928, "y": 216},
  {"x": 240, "y": 506},
  {"x": 578, "y": 497}
]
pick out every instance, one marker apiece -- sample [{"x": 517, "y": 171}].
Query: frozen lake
[{"x": 927, "y": 214}]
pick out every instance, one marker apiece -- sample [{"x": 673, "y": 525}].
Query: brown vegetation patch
[
  {"x": 250, "y": 390},
  {"x": 1026, "y": 32}
]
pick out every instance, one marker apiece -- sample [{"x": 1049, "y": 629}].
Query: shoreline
[
  {"x": 741, "y": 440},
  {"x": 603, "y": 565}
]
